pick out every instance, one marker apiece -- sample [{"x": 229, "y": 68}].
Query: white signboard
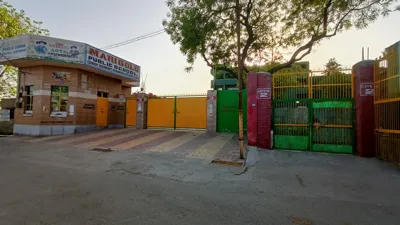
[
  {"x": 13, "y": 48},
  {"x": 4, "y": 115},
  {"x": 56, "y": 49},
  {"x": 366, "y": 89},
  {"x": 109, "y": 63}
]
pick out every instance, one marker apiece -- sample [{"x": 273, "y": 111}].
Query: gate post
[
  {"x": 141, "y": 111},
  {"x": 211, "y": 111},
  {"x": 363, "y": 92},
  {"x": 259, "y": 110}
]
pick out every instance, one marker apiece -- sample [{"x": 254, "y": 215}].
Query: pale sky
[{"x": 104, "y": 22}]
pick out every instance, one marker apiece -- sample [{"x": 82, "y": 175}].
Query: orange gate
[
  {"x": 130, "y": 115},
  {"x": 178, "y": 112}
]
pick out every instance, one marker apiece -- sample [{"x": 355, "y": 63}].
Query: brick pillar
[
  {"x": 141, "y": 111},
  {"x": 364, "y": 107},
  {"x": 211, "y": 111},
  {"x": 259, "y": 109}
]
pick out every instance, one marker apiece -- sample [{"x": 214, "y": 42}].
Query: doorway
[{"x": 102, "y": 109}]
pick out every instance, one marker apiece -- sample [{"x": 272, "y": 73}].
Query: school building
[{"x": 67, "y": 87}]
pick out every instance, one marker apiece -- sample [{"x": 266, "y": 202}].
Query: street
[{"x": 59, "y": 184}]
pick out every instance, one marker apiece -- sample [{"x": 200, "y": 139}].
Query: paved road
[
  {"x": 59, "y": 184},
  {"x": 197, "y": 144}
]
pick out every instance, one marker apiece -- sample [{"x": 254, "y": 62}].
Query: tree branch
[
  {"x": 315, "y": 38},
  {"x": 251, "y": 38},
  {"x": 294, "y": 58},
  {"x": 346, "y": 14}
]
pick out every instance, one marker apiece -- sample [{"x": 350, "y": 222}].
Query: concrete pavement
[
  {"x": 44, "y": 183},
  {"x": 197, "y": 144}
]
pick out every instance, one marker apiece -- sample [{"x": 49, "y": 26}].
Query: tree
[
  {"x": 206, "y": 28},
  {"x": 14, "y": 23}
]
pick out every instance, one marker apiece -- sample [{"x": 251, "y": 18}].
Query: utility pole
[{"x": 240, "y": 74}]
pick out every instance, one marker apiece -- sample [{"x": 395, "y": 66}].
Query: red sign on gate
[{"x": 263, "y": 93}]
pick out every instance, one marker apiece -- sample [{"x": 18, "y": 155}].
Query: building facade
[{"x": 67, "y": 87}]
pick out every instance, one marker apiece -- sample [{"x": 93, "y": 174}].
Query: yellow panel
[
  {"x": 191, "y": 113},
  {"x": 102, "y": 112},
  {"x": 160, "y": 112},
  {"x": 131, "y": 112}
]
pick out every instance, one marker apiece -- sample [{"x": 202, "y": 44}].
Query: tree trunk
[{"x": 240, "y": 74}]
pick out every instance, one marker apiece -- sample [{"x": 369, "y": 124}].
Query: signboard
[
  {"x": 366, "y": 89},
  {"x": 109, "y": 63},
  {"x": 263, "y": 93},
  {"x": 4, "y": 115},
  {"x": 13, "y": 48},
  {"x": 47, "y": 48}
]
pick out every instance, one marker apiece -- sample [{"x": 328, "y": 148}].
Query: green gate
[
  {"x": 313, "y": 111},
  {"x": 227, "y": 111}
]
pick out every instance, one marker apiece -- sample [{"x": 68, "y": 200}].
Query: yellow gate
[
  {"x": 160, "y": 112},
  {"x": 387, "y": 108},
  {"x": 191, "y": 112},
  {"x": 177, "y": 112},
  {"x": 130, "y": 116},
  {"x": 102, "y": 112}
]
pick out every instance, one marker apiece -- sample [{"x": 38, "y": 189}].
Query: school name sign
[
  {"x": 47, "y": 48},
  {"x": 110, "y": 63}
]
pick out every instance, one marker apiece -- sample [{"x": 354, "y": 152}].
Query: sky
[{"x": 102, "y": 23}]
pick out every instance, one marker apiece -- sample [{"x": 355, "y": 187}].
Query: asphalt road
[{"x": 59, "y": 185}]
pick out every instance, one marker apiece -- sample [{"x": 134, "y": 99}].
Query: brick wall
[{"x": 82, "y": 87}]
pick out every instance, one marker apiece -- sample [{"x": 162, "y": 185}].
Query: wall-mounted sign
[
  {"x": 263, "y": 93},
  {"x": 61, "y": 77},
  {"x": 71, "y": 110},
  {"x": 107, "y": 62},
  {"x": 13, "y": 48},
  {"x": 47, "y": 86},
  {"x": 366, "y": 89},
  {"x": 89, "y": 106},
  {"x": 56, "y": 49},
  {"x": 48, "y": 48}
]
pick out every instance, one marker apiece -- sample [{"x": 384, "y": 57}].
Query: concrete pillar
[
  {"x": 259, "y": 110},
  {"x": 364, "y": 107},
  {"x": 141, "y": 111},
  {"x": 211, "y": 111}
]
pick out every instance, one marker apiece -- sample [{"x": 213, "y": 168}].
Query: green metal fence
[{"x": 313, "y": 111}]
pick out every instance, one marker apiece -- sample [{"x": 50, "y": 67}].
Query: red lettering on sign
[
  {"x": 103, "y": 56},
  {"x": 113, "y": 59},
  {"x": 94, "y": 52}
]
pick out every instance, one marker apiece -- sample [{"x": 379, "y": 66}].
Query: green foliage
[
  {"x": 336, "y": 75},
  {"x": 14, "y": 23},
  {"x": 206, "y": 28}
]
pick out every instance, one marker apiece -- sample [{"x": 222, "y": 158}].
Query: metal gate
[
  {"x": 188, "y": 111},
  {"x": 314, "y": 111},
  {"x": 227, "y": 111},
  {"x": 387, "y": 107},
  {"x": 130, "y": 114}
]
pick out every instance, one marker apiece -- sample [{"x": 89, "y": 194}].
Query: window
[
  {"x": 59, "y": 99},
  {"x": 102, "y": 94},
  {"x": 29, "y": 98}
]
